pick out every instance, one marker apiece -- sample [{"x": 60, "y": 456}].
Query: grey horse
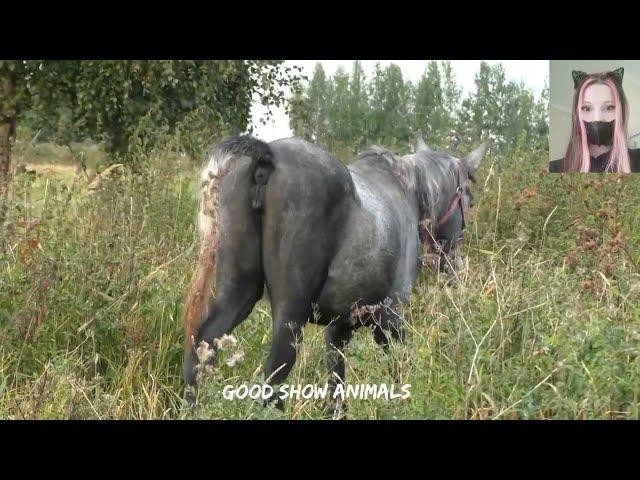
[{"x": 334, "y": 245}]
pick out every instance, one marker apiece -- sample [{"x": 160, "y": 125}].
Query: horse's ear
[
  {"x": 472, "y": 161},
  {"x": 421, "y": 145}
]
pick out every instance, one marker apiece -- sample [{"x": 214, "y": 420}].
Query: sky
[{"x": 534, "y": 74}]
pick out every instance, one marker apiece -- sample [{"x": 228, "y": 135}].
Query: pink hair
[{"x": 619, "y": 156}]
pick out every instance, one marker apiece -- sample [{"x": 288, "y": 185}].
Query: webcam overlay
[{"x": 595, "y": 116}]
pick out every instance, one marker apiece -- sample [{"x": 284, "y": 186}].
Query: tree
[
  {"x": 430, "y": 117},
  {"x": 358, "y": 108},
  {"x": 375, "y": 87},
  {"x": 14, "y": 98},
  {"x": 541, "y": 120},
  {"x": 111, "y": 101},
  {"x": 339, "y": 115},
  {"x": 390, "y": 107},
  {"x": 300, "y": 116},
  {"x": 518, "y": 110},
  {"x": 500, "y": 111},
  {"x": 486, "y": 108},
  {"x": 318, "y": 104},
  {"x": 464, "y": 125},
  {"x": 451, "y": 94}
]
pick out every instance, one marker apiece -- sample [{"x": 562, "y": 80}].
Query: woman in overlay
[{"x": 599, "y": 118}]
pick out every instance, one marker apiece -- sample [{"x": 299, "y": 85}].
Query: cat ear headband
[{"x": 579, "y": 76}]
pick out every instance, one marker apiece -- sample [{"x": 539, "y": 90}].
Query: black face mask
[{"x": 599, "y": 133}]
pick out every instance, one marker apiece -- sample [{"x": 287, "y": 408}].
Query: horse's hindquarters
[
  {"x": 305, "y": 213},
  {"x": 306, "y": 208}
]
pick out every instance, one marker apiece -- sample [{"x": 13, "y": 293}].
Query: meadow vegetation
[{"x": 543, "y": 323}]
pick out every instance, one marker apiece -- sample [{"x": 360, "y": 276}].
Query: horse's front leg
[
  {"x": 451, "y": 260},
  {"x": 449, "y": 239},
  {"x": 389, "y": 325}
]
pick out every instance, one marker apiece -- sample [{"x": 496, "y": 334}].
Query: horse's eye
[{"x": 469, "y": 196}]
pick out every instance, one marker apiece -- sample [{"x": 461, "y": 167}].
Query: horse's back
[{"x": 299, "y": 159}]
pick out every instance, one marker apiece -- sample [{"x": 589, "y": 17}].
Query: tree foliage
[
  {"x": 348, "y": 112},
  {"x": 135, "y": 103}
]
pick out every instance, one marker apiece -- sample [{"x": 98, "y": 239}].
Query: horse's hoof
[
  {"x": 339, "y": 413},
  {"x": 274, "y": 402},
  {"x": 335, "y": 410},
  {"x": 190, "y": 397}
]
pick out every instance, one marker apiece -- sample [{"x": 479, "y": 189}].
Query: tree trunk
[{"x": 7, "y": 130}]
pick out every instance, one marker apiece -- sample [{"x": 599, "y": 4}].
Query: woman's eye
[
  {"x": 611, "y": 108},
  {"x": 586, "y": 108}
]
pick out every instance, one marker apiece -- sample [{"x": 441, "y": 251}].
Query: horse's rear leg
[
  {"x": 288, "y": 328},
  {"x": 239, "y": 274},
  {"x": 229, "y": 310},
  {"x": 306, "y": 209},
  {"x": 232, "y": 305},
  {"x": 294, "y": 285},
  {"x": 338, "y": 335}
]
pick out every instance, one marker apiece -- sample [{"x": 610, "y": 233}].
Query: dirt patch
[{"x": 53, "y": 170}]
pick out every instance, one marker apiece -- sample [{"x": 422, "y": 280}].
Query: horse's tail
[{"x": 220, "y": 162}]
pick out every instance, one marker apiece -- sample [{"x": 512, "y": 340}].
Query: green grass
[{"x": 543, "y": 324}]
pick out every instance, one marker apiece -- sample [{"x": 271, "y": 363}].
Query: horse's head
[
  {"x": 442, "y": 183},
  {"x": 471, "y": 164}
]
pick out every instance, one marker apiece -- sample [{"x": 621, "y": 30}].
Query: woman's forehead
[{"x": 598, "y": 93}]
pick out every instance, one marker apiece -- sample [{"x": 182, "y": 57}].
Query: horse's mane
[
  {"x": 380, "y": 156},
  {"x": 437, "y": 177},
  {"x": 387, "y": 160},
  {"x": 432, "y": 175}
]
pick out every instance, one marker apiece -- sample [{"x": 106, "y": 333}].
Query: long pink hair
[{"x": 578, "y": 158}]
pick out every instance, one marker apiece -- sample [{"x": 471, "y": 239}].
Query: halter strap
[
  {"x": 457, "y": 202},
  {"x": 425, "y": 233}
]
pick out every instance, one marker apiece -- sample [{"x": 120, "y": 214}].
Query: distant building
[{"x": 634, "y": 141}]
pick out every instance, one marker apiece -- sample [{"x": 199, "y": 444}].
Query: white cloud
[{"x": 533, "y": 73}]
